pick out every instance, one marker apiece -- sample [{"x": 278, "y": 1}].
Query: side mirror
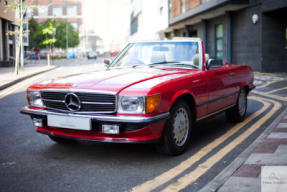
[
  {"x": 107, "y": 62},
  {"x": 206, "y": 56},
  {"x": 214, "y": 63}
]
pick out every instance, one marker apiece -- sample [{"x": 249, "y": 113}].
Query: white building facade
[{"x": 147, "y": 19}]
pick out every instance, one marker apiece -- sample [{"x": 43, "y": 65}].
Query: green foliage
[
  {"x": 39, "y": 31},
  {"x": 73, "y": 36},
  {"x": 48, "y": 32},
  {"x": 35, "y": 35}
]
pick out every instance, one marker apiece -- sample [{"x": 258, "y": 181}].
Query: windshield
[{"x": 178, "y": 54}]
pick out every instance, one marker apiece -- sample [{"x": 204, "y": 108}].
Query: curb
[
  {"x": 2, "y": 87},
  {"x": 215, "y": 184}
]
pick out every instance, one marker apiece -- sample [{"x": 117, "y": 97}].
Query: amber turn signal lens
[{"x": 152, "y": 103}]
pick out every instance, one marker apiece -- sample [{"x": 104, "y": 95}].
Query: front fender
[{"x": 179, "y": 94}]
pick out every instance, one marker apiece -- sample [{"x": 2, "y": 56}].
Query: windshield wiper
[
  {"x": 164, "y": 62},
  {"x": 184, "y": 64},
  {"x": 174, "y": 63}
]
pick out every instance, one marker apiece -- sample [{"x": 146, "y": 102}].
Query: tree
[
  {"x": 36, "y": 36},
  {"x": 61, "y": 35},
  {"x": 20, "y": 8},
  {"x": 49, "y": 38}
]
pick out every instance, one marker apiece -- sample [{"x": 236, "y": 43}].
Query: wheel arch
[
  {"x": 188, "y": 97},
  {"x": 245, "y": 86}
]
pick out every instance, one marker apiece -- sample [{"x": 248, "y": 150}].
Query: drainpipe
[
  {"x": 204, "y": 34},
  {"x": 228, "y": 38}
]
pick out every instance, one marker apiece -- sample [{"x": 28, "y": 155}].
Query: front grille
[{"x": 90, "y": 102}]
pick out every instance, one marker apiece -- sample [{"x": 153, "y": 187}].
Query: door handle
[{"x": 232, "y": 74}]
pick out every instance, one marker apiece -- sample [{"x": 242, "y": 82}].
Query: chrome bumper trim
[{"x": 106, "y": 118}]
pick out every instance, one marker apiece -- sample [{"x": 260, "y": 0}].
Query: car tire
[
  {"x": 60, "y": 140},
  {"x": 238, "y": 112},
  {"x": 177, "y": 130}
]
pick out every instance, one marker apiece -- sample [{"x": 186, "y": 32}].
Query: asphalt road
[{"x": 30, "y": 162}]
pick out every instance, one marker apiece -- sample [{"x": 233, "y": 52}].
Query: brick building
[
  {"x": 7, "y": 42},
  {"x": 251, "y": 32},
  {"x": 70, "y": 10}
]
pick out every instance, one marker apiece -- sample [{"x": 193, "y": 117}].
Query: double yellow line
[{"x": 192, "y": 176}]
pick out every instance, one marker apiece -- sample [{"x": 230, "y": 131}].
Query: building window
[
  {"x": 29, "y": 12},
  {"x": 169, "y": 9},
  {"x": 10, "y": 28},
  {"x": 75, "y": 26},
  {"x": 57, "y": 11},
  {"x": 219, "y": 41},
  {"x": 161, "y": 10},
  {"x": 182, "y": 6},
  {"x": 71, "y": 10},
  {"x": 134, "y": 24},
  {"x": 25, "y": 40},
  {"x": 42, "y": 11}
]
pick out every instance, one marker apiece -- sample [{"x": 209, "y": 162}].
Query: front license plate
[{"x": 78, "y": 123}]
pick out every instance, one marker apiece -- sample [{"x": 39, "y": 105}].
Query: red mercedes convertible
[{"x": 151, "y": 92}]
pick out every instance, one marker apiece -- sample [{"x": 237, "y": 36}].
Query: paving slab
[
  {"x": 241, "y": 184},
  {"x": 247, "y": 170},
  {"x": 279, "y": 157},
  {"x": 282, "y": 125},
  {"x": 278, "y": 135}
]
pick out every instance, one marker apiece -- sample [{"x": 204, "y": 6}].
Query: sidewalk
[
  {"x": 272, "y": 151},
  {"x": 8, "y": 77},
  {"x": 34, "y": 67}
]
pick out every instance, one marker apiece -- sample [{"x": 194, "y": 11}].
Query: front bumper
[{"x": 132, "y": 128}]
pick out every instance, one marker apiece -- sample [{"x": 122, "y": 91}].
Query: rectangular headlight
[
  {"x": 131, "y": 104},
  {"x": 34, "y": 98}
]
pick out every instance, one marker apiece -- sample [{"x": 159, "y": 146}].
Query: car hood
[{"x": 113, "y": 80}]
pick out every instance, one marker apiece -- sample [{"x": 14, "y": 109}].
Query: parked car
[
  {"x": 55, "y": 55},
  {"x": 152, "y": 92},
  {"x": 92, "y": 55},
  {"x": 30, "y": 55},
  {"x": 73, "y": 55},
  {"x": 114, "y": 53}
]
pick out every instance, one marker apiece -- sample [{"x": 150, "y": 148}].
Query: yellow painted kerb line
[
  {"x": 189, "y": 178},
  {"x": 175, "y": 171}
]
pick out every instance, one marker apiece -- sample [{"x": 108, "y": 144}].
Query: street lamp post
[
  {"x": 67, "y": 38},
  {"x": 53, "y": 34}
]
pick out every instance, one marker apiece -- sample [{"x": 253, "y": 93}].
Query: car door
[{"x": 221, "y": 91}]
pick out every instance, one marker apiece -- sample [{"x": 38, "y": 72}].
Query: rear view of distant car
[{"x": 92, "y": 55}]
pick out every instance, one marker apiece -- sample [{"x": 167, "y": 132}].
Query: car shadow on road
[{"x": 204, "y": 132}]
